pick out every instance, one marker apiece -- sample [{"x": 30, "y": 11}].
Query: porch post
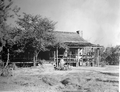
[
  {"x": 54, "y": 56},
  {"x": 82, "y": 55},
  {"x": 57, "y": 56},
  {"x": 98, "y": 57},
  {"x": 77, "y": 64},
  {"x": 93, "y": 57}
]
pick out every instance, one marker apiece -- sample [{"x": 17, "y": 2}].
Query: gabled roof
[{"x": 70, "y": 38}]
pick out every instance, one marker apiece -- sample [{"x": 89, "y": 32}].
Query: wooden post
[
  {"x": 82, "y": 55},
  {"x": 92, "y": 56},
  {"x": 54, "y": 56},
  {"x": 70, "y": 58},
  {"x": 98, "y": 57},
  {"x": 77, "y": 64},
  {"x": 57, "y": 57}
]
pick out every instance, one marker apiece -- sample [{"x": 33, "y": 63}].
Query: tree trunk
[
  {"x": 34, "y": 61},
  {"x": 35, "y": 58},
  {"x": 8, "y": 58}
]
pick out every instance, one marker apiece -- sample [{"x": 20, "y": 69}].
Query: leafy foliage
[
  {"x": 6, "y": 32},
  {"x": 111, "y": 55},
  {"x": 37, "y": 33},
  {"x": 5, "y": 13}
]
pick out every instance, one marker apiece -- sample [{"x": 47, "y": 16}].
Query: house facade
[{"x": 78, "y": 52}]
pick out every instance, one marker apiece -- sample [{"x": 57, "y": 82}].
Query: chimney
[{"x": 80, "y": 32}]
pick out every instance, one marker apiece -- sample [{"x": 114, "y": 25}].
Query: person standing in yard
[
  {"x": 65, "y": 55},
  {"x": 62, "y": 63}
]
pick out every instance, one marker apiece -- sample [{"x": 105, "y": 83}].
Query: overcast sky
[{"x": 98, "y": 19}]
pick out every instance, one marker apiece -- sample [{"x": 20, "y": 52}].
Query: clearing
[{"x": 46, "y": 79}]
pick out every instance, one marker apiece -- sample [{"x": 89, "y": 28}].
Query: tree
[
  {"x": 111, "y": 55},
  {"x": 37, "y": 33},
  {"x": 6, "y": 37}
]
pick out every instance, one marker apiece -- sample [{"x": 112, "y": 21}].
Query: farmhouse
[{"x": 77, "y": 52}]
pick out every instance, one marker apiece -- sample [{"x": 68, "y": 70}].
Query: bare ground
[{"x": 46, "y": 79}]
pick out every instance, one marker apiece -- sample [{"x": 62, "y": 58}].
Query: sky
[{"x": 98, "y": 19}]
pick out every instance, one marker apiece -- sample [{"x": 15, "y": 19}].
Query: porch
[{"x": 82, "y": 56}]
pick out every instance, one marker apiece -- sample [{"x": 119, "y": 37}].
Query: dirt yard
[{"x": 46, "y": 79}]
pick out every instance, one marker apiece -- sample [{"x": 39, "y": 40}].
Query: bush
[
  {"x": 40, "y": 62},
  {"x": 102, "y": 64},
  {"x": 13, "y": 66},
  {"x": 111, "y": 55},
  {"x": 6, "y": 72}
]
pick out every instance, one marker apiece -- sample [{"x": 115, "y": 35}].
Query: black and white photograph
[{"x": 59, "y": 45}]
